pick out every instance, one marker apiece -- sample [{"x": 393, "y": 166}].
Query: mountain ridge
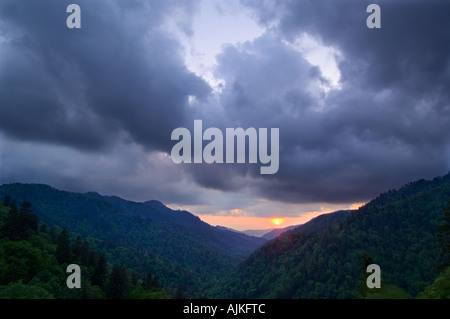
[
  {"x": 397, "y": 230},
  {"x": 177, "y": 245},
  {"x": 322, "y": 258}
]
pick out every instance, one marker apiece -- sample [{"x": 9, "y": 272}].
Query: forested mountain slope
[
  {"x": 397, "y": 231},
  {"x": 34, "y": 260},
  {"x": 180, "y": 248}
]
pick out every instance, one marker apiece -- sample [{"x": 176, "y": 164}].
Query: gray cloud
[
  {"x": 107, "y": 96},
  {"x": 411, "y": 45},
  {"x": 121, "y": 74},
  {"x": 384, "y": 127}
]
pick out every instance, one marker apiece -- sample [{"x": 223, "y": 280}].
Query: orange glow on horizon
[
  {"x": 251, "y": 222},
  {"x": 238, "y": 219}
]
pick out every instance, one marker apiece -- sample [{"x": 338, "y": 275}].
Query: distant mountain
[
  {"x": 320, "y": 222},
  {"x": 316, "y": 224},
  {"x": 326, "y": 258},
  {"x": 250, "y": 232},
  {"x": 180, "y": 249},
  {"x": 271, "y": 234},
  {"x": 256, "y": 232},
  {"x": 267, "y": 234},
  {"x": 33, "y": 263}
]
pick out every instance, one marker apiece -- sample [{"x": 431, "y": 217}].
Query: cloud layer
[
  {"x": 94, "y": 108},
  {"x": 119, "y": 76}
]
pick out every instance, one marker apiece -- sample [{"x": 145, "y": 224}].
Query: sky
[{"x": 360, "y": 111}]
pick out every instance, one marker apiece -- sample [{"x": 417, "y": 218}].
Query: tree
[
  {"x": 63, "y": 250},
  {"x": 53, "y": 235},
  {"x": 7, "y": 200},
  {"x": 18, "y": 290},
  {"x": 28, "y": 220},
  {"x": 84, "y": 253},
  {"x": 19, "y": 225},
  {"x": 151, "y": 281},
  {"x": 76, "y": 249},
  {"x": 443, "y": 237},
  {"x": 11, "y": 227},
  {"x": 134, "y": 280},
  {"x": 440, "y": 289},
  {"x": 179, "y": 292},
  {"x": 118, "y": 282},
  {"x": 100, "y": 272},
  {"x": 43, "y": 228}
]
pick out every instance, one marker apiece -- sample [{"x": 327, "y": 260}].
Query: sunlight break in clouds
[
  {"x": 326, "y": 58},
  {"x": 215, "y": 24}
]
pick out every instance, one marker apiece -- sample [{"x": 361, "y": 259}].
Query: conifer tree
[
  {"x": 118, "y": 282},
  {"x": 179, "y": 292},
  {"x": 43, "y": 228},
  {"x": 151, "y": 281},
  {"x": 28, "y": 220},
  {"x": 134, "y": 280},
  {"x": 7, "y": 200},
  {"x": 63, "y": 249},
  {"x": 84, "y": 254},
  {"x": 10, "y": 228},
  {"x": 100, "y": 272},
  {"x": 76, "y": 249},
  {"x": 443, "y": 237},
  {"x": 53, "y": 234}
]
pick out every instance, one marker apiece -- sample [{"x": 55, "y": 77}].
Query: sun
[{"x": 277, "y": 221}]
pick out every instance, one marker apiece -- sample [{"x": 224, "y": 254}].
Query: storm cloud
[
  {"x": 96, "y": 106},
  {"x": 385, "y": 125},
  {"x": 119, "y": 76}
]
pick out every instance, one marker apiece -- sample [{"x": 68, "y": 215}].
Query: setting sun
[{"x": 277, "y": 221}]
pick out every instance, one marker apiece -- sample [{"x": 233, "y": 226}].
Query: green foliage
[
  {"x": 22, "y": 261},
  {"x": 100, "y": 272},
  {"x": 7, "y": 200},
  {"x": 177, "y": 246},
  {"x": 151, "y": 281},
  {"x": 141, "y": 293},
  {"x": 32, "y": 266},
  {"x": 119, "y": 283},
  {"x": 443, "y": 237},
  {"x": 18, "y": 290},
  {"x": 387, "y": 292},
  {"x": 149, "y": 246},
  {"x": 397, "y": 231},
  {"x": 63, "y": 250},
  {"x": 440, "y": 288},
  {"x": 19, "y": 225}
]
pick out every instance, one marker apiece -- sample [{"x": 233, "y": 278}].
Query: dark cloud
[
  {"x": 121, "y": 74},
  {"x": 410, "y": 51},
  {"x": 384, "y": 127},
  {"x": 120, "y": 86}
]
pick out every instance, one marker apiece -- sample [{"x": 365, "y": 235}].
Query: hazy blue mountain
[
  {"x": 250, "y": 232},
  {"x": 271, "y": 234},
  {"x": 267, "y": 234}
]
